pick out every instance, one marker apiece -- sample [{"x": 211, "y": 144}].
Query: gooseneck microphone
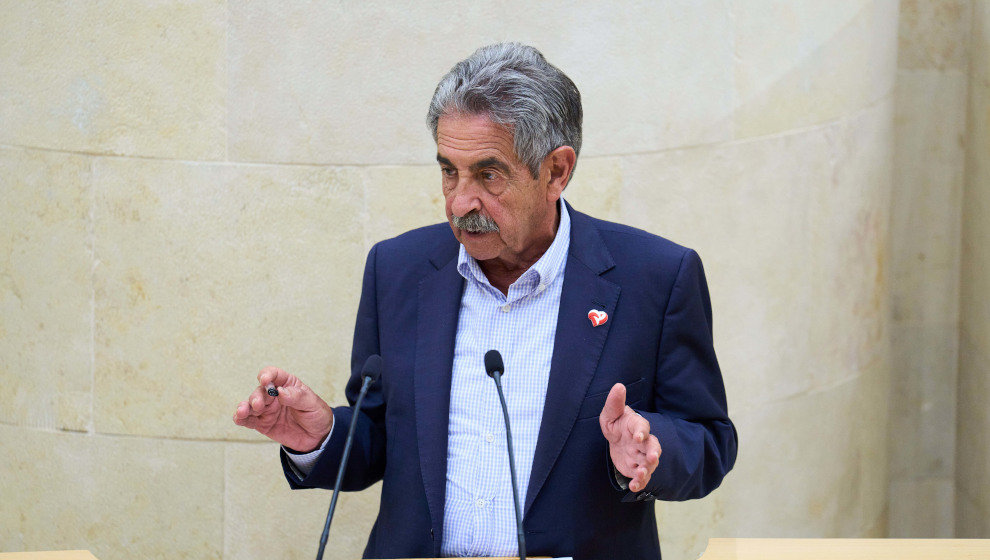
[
  {"x": 369, "y": 374},
  {"x": 495, "y": 369}
]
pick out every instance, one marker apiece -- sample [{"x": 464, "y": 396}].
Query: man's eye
[
  {"x": 447, "y": 172},
  {"x": 488, "y": 175}
]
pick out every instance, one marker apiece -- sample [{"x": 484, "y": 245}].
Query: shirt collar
[{"x": 543, "y": 272}]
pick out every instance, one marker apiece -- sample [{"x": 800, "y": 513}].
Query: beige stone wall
[
  {"x": 973, "y": 423},
  {"x": 929, "y": 126},
  {"x": 189, "y": 191}
]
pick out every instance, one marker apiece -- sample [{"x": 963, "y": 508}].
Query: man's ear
[{"x": 560, "y": 163}]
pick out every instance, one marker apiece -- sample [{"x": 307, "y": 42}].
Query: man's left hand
[{"x": 635, "y": 453}]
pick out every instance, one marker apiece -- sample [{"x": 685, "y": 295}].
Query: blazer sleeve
[
  {"x": 366, "y": 464},
  {"x": 698, "y": 441}
]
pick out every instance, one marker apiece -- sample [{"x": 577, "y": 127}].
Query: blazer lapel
[
  {"x": 577, "y": 344},
  {"x": 439, "y": 299}
]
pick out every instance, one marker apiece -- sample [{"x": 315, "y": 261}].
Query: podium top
[
  {"x": 749, "y": 549},
  {"x": 846, "y": 549},
  {"x": 52, "y": 555},
  {"x": 86, "y": 555}
]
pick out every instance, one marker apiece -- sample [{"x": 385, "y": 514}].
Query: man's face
[{"x": 482, "y": 175}]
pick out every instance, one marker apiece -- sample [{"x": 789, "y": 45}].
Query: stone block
[
  {"x": 925, "y": 295},
  {"x": 852, "y": 247},
  {"x": 401, "y": 198},
  {"x": 973, "y": 426},
  {"x": 805, "y": 63},
  {"x": 119, "y": 497},
  {"x": 973, "y": 447},
  {"x": 923, "y": 402},
  {"x": 46, "y": 263},
  {"x": 116, "y": 78},
  {"x": 814, "y": 465},
  {"x": 922, "y": 508},
  {"x": 264, "y": 518},
  {"x": 933, "y": 34},
  {"x": 793, "y": 231},
  {"x": 206, "y": 274},
  {"x": 971, "y": 521},
  {"x": 735, "y": 205},
  {"x": 596, "y": 186},
  {"x": 650, "y": 77},
  {"x": 975, "y": 270},
  {"x": 929, "y": 125}
]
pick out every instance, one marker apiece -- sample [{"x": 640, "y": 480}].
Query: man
[{"x": 595, "y": 321}]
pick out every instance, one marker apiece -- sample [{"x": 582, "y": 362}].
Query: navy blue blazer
[{"x": 657, "y": 341}]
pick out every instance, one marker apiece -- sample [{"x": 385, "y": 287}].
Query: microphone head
[
  {"x": 372, "y": 367},
  {"x": 493, "y": 363}
]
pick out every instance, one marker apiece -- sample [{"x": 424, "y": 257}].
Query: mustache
[{"x": 475, "y": 223}]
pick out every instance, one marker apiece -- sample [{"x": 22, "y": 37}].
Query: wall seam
[
  {"x": 153, "y": 437},
  {"x": 846, "y": 117}
]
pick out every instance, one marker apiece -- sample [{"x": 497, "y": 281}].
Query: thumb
[
  {"x": 615, "y": 403},
  {"x": 292, "y": 397}
]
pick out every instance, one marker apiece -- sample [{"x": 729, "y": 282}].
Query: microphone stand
[
  {"x": 370, "y": 373},
  {"x": 512, "y": 467},
  {"x": 494, "y": 368}
]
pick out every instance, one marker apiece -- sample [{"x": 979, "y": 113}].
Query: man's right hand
[{"x": 297, "y": 418}]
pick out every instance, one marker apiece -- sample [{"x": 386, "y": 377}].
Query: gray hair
[{"x": 513, "y": 85}]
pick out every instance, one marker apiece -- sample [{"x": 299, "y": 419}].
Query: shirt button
[
  {"x": 489, "y": 437},
  {"x": 507, "y": 307},
  {"x": 480, "y": 503}
]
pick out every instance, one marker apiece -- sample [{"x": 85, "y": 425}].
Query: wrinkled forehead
[{"x": 471, "y": 137}]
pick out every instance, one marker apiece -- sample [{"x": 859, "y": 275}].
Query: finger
[
  {"x": 652, "y": 455},
  {"x": 638, "y": 427},
  {"x": 252, "y": 422},
  {"x": 303, "y": 398},
  {"x": 275, "y": 376},
  {"x": 242, "y": 411},
  {"x": 295, "y": 397},
  {"x": 244, "y": 417},
  {"x": 260, "y": 400},
  {"x": 638, "y": 481},
  {"x": 615, "y": 405},
  {"x": 642, "y": 477}
]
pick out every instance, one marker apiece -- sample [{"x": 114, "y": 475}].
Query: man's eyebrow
[
  {"x": 490, "y": 162},
  {"x": 475, "y": 167}
]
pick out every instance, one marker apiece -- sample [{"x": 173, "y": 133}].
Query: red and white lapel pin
[{"x": 597, "y": 317}]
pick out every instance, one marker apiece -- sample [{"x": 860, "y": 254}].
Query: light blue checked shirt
[{"x": 479, "y": 514}]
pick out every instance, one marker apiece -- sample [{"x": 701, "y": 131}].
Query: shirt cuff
[
  {"x": 302, "y": 463},
  {"x": 621, "y": 479}
]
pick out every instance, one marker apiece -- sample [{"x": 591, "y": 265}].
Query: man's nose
[{"x": 465, "y": 198}]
